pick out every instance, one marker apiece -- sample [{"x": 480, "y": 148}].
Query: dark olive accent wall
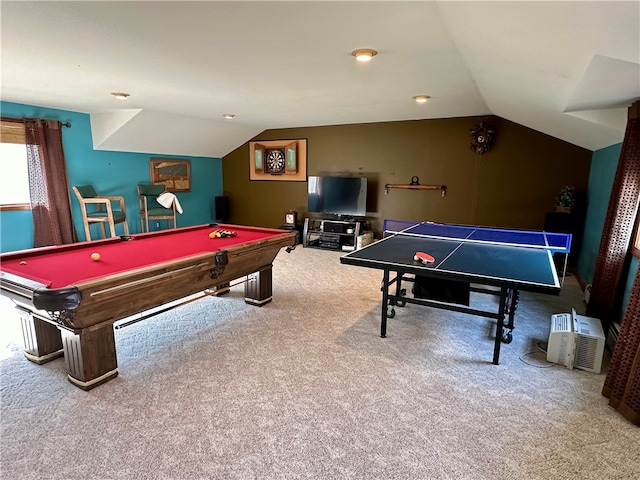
[{"x": 514, "y": 184}]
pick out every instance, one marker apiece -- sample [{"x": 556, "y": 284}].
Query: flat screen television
[{"x": 340, "y": 196}]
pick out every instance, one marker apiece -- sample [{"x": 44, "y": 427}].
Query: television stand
[{"x": 331, "y": 234}]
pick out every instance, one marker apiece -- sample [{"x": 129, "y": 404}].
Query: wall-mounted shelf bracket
[{"x": 415, "y": 185}]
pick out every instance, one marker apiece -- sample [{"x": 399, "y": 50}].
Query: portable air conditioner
[{"x": 576, "y": 341}]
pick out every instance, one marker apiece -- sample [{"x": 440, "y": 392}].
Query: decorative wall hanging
[
  {"x": 415, "y": 185},
  {"x": 175, "y": 175},
  {"x": 278, "y": 160},
  {"x": 481, "y": 137}
]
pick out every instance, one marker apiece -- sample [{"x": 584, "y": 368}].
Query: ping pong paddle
[{"x": 423, "y": 257}]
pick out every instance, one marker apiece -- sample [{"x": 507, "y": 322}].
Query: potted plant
[{"x": 565, "y": 199}]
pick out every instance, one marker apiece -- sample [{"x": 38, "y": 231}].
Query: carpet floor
[{"x": 305, "y": 388}]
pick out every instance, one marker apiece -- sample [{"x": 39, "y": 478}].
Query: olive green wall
[{"x": 512, "y": 185}]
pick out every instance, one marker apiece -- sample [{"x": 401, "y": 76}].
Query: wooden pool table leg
[
  {"x": 90, "y": 356},
  {"x": 258, "y": 288},
  {"x": 42, "y": 341}
]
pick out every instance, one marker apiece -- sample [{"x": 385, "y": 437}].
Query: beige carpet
[{"x": 304, "y": 388}]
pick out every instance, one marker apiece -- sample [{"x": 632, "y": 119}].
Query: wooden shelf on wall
[{"x": 415, "y": 185}]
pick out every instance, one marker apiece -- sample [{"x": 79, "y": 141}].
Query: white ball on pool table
[{"x": 95, "y": 257}]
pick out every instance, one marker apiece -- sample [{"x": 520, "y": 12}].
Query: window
[
  {"x": 636, "y": 238},
  {"x": 14, "y": 181}
]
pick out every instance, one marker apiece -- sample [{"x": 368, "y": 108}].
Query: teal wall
[
  {"x": 633, "y": 269},
  {"x": 111, "y": 173},
  {"x": 603, "y": 170},
  {"x": 604, "y": 163}
]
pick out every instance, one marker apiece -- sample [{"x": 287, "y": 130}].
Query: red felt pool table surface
[{"x": 64, "y": 265}]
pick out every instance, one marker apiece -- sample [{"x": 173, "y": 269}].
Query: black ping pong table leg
[
  {"x": 500, "y": 327},
  {"x": 385, "y": 300},
  {"x": 513, "y": 297}
]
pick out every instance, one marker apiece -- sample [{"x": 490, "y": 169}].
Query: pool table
[{"x": 68, "y": 301}]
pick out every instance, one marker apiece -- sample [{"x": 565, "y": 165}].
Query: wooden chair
[
  {"x": 150, "y": 209},
  {"x": 98, "y": 209}
]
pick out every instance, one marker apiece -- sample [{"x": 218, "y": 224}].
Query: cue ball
[
  {"x": 95, "y": 257},
  {"x": 23, "y": 262}
]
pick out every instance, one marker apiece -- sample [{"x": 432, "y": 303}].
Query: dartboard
[{"x": 275, "y": 161}]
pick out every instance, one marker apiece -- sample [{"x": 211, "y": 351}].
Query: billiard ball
[
  {"x": 95, "y": 257},
  {"x": 23, "y": 262}
]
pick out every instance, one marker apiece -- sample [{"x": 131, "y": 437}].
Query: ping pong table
[{"x": 467, "y": 259}]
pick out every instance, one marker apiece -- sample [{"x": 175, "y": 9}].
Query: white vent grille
[
  {"x": 586, "y": 353},
  {"x": 561, "y": 322}
]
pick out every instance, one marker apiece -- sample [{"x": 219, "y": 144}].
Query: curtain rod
[{"x": 12, "y": 119}]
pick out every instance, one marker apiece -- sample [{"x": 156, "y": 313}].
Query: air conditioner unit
[{"x": 576, "y": 341}]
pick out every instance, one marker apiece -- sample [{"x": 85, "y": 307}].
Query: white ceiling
[{"x": 567, "y": 69}]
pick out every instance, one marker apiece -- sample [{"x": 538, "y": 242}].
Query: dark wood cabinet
[{"x": 563, "y": 222}]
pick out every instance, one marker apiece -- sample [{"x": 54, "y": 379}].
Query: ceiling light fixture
[
  {"x": 120, "y": 95},
  {"x": 364, "y": 54},
  {"x": 228, "y": 116},
  {"x": 421, "y": 98}
]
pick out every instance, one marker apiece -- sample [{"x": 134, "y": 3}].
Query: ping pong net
[{"x": 555, "y": 242}]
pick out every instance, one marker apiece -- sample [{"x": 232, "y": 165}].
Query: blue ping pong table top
[
  {"x": 478, "y": 255},
  {"x": 557, "y": 242}
]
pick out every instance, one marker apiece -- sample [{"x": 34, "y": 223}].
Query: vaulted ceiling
[{"x": 567, "y": 69}]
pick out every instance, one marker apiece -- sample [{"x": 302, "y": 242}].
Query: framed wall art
[
  {"x": 175, "y": 175},
  {"x": 278, "y": 160}
]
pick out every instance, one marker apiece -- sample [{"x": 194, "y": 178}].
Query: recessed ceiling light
[
  {"x": 120, "y": 95},
  {"x": 364, "y": 54},
  {"x": 421, "y": 98},
  {"x": 228, "y": 116}
]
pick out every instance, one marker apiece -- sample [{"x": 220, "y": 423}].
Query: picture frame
[
  {"x": 175, "y": 175},
  {"x": 278, "y": 160}
]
